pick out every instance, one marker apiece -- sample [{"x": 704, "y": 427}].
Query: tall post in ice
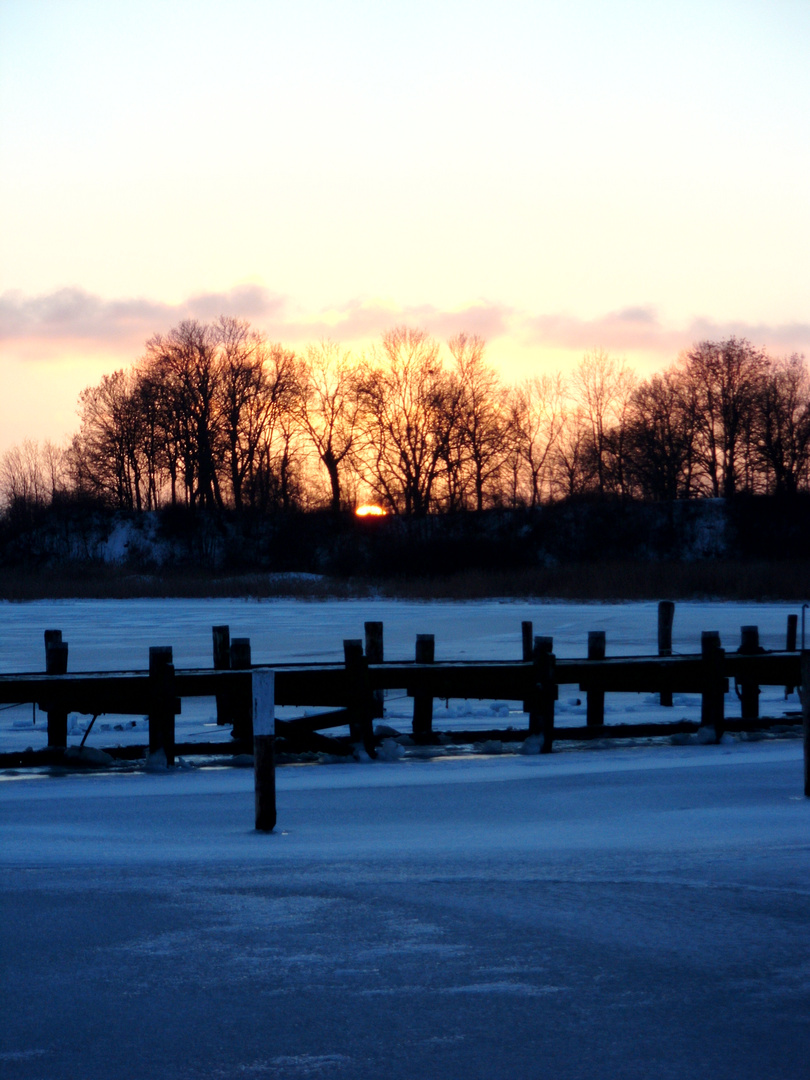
[
  {"x": 806, "y": 718},
  {"x": 666, "y": 615},
  {"x": 56, "y": 660},
  {"x": 375, "y": 654},
  {"x": 595, "y": 703},
  {"x": 264, "y": 759}
]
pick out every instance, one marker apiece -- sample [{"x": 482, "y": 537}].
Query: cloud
[
  {"x": 74, "y": 316},
  {"x": 71, "y": 319},
  {"x": 640, "y": 330},
  {"x": 71, "y": 322}
]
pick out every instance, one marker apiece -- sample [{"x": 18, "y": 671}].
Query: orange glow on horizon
[{"x": 369, "y": 510}]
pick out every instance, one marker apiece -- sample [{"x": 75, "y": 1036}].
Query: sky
[{"x": 613, "y": 174}]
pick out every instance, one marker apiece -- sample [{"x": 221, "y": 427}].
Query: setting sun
[{"x": 369, "y": 510}]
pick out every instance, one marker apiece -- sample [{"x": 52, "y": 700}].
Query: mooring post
[
  {"x": 595, "y": 703},
  {"x": 790, "y": 644},
  {"x": 666, "y": 616},
  {"x": 712, "y": 701},
  {"x": 56, "y": 661},
  {"x": 359, "y": 702},
  {"x": 375, "y": 655},
  {"x": 541, "y": 715},
  {"x": 526, "y": 641},
  {"x": 805, "y": 663},
  {"x": 749, "y": 691},
  {"x": 222, "y": 661},
  {"x": 241, "y": 701},
  {"x": 264, "y": 755},
  {"x": 161, "y": 702},
  {"x": 423, "y": 703}
]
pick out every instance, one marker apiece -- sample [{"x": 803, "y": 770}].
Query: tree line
[{"x": 215, "y": 416}]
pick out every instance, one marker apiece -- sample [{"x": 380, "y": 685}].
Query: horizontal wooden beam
[{"x": 127, "y": 692}]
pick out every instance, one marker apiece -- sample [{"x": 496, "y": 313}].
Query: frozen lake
[
  {"x": 116, "y": 635},
  {"x": 628, "y": 913}
]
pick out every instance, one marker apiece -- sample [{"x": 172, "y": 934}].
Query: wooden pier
[{"x": 351, "y": 693}]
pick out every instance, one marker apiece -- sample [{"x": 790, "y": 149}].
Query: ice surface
[{"x": 621, "y": 913}]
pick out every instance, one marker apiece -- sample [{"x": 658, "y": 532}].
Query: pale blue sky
[{"x": 558, "y": 176}]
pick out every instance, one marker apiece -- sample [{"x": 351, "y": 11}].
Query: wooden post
[
  {"x": 749, "y": 691},
  {"x": 359, "y": 702},
  {"x": 423, "y": 703},
  {"x": 541, "y": 715},
  {"x": 712, "y": 702},
  {"x": 56, "y": 661},
  {"x": 161, "y": 707},
  {"x": 222, "y": 661},
  {"x": 526, "y": 636},
  {"x": 595, "y": 704},
  {"x": 790, "y": 645},
  {"x": 806, "y": 718},
  {"x": 375, "y": 655},
  {"x": 264, "y": 760},
  {"x": 666, "y": 616},
  {"x": 241, "y": 699}
]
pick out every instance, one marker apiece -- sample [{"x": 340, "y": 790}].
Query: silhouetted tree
[
  {"x": 782, "y": 422},
  {"x": 727, "y": 379},
  {"x": 661, "y": 437},
  {"x": 327, "y": 406},
  {"x": 408, "y": 418}
]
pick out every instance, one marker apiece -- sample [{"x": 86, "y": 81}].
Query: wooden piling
[
  {"x": 749, "y": 691},
  {"x": 423, "y": 703},
  {"x": 359, "y": 701},
  {"x": 56, "y": 662},
  {"x": 541, "y": 715},
  {"x": 806, "y": 718},
  {"x": 666, "y": 616},
  {"x": 595, "y": 703},
  {"x": 264, "y": 763},
  {"x": 241, "y": 699},
  {"x": 527, "y": 642},
  {"x": 790, "y": 644},
  {"x": 161, "y": 702},
  {"x": 221, "y": 636},
  {"x": 375, "y": 654},
  {"x": 712, "y": 701}
]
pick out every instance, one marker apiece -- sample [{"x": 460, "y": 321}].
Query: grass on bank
[{"x": 616, "y": 580}]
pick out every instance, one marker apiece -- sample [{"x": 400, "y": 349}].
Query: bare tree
[
  {"x": 23, "y": 481},
  {"x": 110, "y": 440},
  {"x": 407, "y": 419},
  {"x": 254, "y": 379},
  {"x": 327, "y": 405},
  {"x": 183, "y": 364},
  {"x": 601, "y": 387},
  {"x": 783, "y": 422},
  {"x": 661, "y": 436},
  {"x": 536, "y": 418},
  {"x": 573, "y": 458},
  {"x": 481, "y": 423},
  {"x": 727, "y": 378}
]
